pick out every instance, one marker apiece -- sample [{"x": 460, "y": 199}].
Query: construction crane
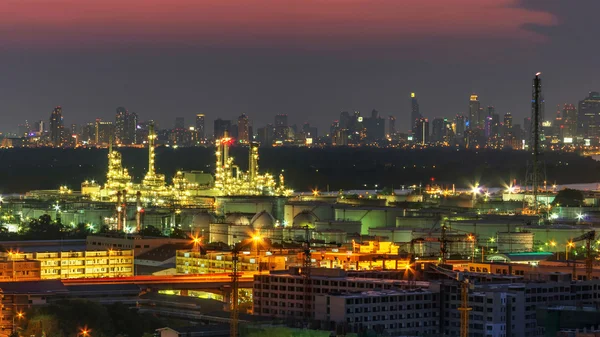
[
  {"x": 234, "y": 290},
  {"x": 589, "y": 259},
  {"x": 306, "y": 271},
  {"x": 465, "y": 286}
]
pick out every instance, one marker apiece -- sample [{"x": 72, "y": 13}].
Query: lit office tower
[
  {"x": 125, "y": 126},
  {"x": 281, "y": 127},
  {"x": 103, "y": 133},
  {"x": 496, "y": 129},
  {"x": 475, "y": 121},
  {"x": 200, "y": 127},
  {"x": 422, "y": 128},
  {"x": 220, "y": 127},
  {"x": 244, "y": 129},
  {"x": 588, "y": 116},
  {"x": 57, "y": 127},
  {"x": 438, "y": 131},
  {"x": 508, "y": 122},
  {"x": 415, "y": 113},
  {"x": 569, "y": 119},
  {"x": 392, "y": 126},
  {"x": 459, "y": 128}
]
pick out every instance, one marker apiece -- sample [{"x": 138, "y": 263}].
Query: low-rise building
[
  {"x": 197, "y": 262},
  {"x": 65, "y": 265},
  {"x": 280, "y": 294},
  {"x": 398, "y": 313}
]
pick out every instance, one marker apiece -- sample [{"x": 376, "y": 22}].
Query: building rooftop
[
  {"x": 378, "y": 293},
  {"x": 164, "y": 252}
]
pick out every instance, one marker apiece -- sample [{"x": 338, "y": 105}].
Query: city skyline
[{"x": 368, "y": 69}]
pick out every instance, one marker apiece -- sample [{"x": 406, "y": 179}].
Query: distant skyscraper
[
  {"x": 415, "y": 113},
  {"x": 422, "y": 135},
  {"x": 104, "y": 132},
  {"x": 460, "y": 128},
  {"x": 496, "y": 125},
  {"x": 281, "y": 127},
  {"x": 265, "y": 135},
  {"x": 57, "y": 127},
  {"x": 508, "y": 122},
  {"x": 243, "y": 125},
  {"x": 588, "y": 116},
  {"x": 200, "y": 127},
  {"x": 125, "y": 127},
  {"x": 438, "y": 130},
  {"x": 179, "y": 123},
  {"x": 375, "y": 126},
  {"x": 88, "y": 134},
  {"x": 392, "y": 126},
  {"x": 220, "y": 127},
  {"x": 474, "y": 113},
  {"x": 569, "y": 120},
  {"x": 344, "y": 122}
]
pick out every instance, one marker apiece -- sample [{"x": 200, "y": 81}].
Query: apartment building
[
  {"x": 280, "y": 294},
  {"x": 510, "y": 310},
  {"x": 196, "y": 262},
  {"x": 81, "y": 264},
  {"x": 398, "y": 313}
]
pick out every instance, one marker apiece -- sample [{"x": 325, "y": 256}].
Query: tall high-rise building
[
  {"x": 415, "y": 113},
  {"x": 496, "y": 129},
  {"x": 281, "y": 127},
  {"x": 220, "y": 126},
  {"x": 179, "y": 123},
  {"x": 88, "y": 133},
  {"x": 474, "y": 112},
  {"x": 200, "y": 127},
  {"x": 392, "y": 126},
  {"x": 438, "y": 130},
  {"x": 460, "y": 127},
  {"x": 569, "y": 120},
  {"x": 375, "y": 126},
  {"x": 422, "y": 135},
  {"x": 588, "y": 116},
  {"x": 243, "y": 126},
  {"x": 265, "y": 135},
  {"x": 104, "y": 132},
  {"x": 57, "y": 127},
  {"x": 344, "y": 122},
  {"x": 508, "y": 123},
  {"x": 125, "y": 127}
]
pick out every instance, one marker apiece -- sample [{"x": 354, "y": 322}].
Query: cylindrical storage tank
[{"x": 511, "y": 242}]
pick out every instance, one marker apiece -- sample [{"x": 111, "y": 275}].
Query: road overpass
[{"x": 208, "y": 282}]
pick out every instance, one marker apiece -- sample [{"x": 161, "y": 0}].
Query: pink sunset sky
[{"x": 263, "y": 23}]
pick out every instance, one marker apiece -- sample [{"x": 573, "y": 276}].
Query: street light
[
  {"x": 257, "y": 238},
  {"x": 85, "y": 332},
  {"x": 569, "y": 244},
  {"x": 471, "y": 238},
  {"x": 19, "y": 315}
]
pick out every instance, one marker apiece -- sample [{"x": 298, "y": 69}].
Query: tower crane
[
  {"x": 465, "y": 286},
  {"x": 589, "y": 259},
  {"x": 234, "y": 290}
]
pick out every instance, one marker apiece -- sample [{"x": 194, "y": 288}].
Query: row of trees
[
  {"x": 44, "y": 228},
  {"x": 67, "y": 318}
]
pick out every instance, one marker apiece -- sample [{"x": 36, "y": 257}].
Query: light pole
[
  {"x": 84, "y": 332},
  {"x": 569, "y": 244},
  {"x": 257, "y": 238},
  {"x": 471, "y": 238},
  {"x": 19, "y": 315}
]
